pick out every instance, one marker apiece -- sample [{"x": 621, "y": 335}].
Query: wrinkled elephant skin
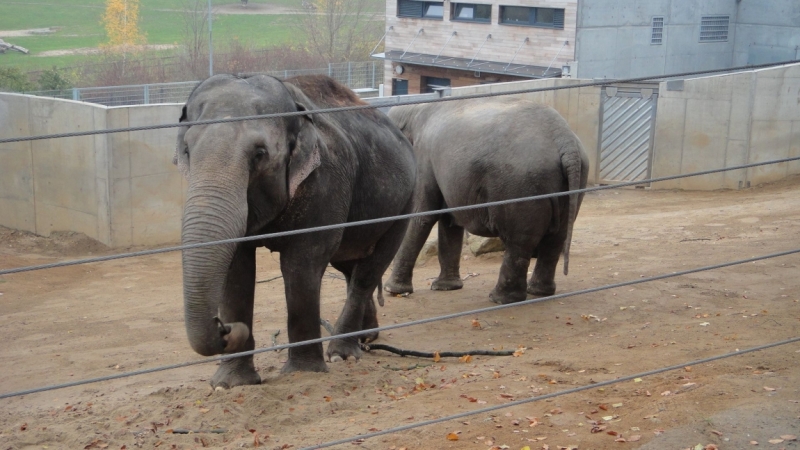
[
  {"x": 270, "y": 175},
  {"x": 484, "y": 150}
]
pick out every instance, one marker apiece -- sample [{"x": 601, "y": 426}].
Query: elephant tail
[{"x": 575, "y": 168}]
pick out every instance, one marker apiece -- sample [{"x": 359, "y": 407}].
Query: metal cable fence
[
  {"x": 444, "y": 317},
  {"x": 362, "y": 77}
]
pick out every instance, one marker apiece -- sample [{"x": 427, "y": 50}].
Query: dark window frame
[
  {"x": 454, "y": 12},
  {"x": 417, "y": 9},
  {"x": 557, "y": 22}
]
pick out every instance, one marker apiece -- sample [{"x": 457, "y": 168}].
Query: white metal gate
[{"x": 627, "y": 123}]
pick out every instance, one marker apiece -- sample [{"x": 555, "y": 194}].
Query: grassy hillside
[{"x": 79, "y": 26}]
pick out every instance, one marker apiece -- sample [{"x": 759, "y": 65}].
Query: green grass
[{"x": 79, "y": 26}]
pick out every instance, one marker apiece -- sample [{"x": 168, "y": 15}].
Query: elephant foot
[
  {"x": 541, "y": 289},
  {"x": 503, "y": 298},
  {"x": 344, "y": 349},
  {"x": 235, "y": 372},
  {"x": 304, "y": 365},
  {"x": 447, "y": 284},
  {"x": 395, "y": 287}
]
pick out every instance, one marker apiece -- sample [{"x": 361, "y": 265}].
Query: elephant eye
[{"x": 260, "y": 154}]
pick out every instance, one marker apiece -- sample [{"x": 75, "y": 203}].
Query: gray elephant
[
  {"x": 484, "y": 150},
  {"x": 271, "y": 175}
]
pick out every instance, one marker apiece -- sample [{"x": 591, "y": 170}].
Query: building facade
[
  {"x": 627, "y": 39},
  {"x": 436, "y": 44}
]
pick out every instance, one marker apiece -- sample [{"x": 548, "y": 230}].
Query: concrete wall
[
  {"x": 726, "y": 120},
  {"x": 767, "y": 31},
  {"x": 120, "y": 189},
  {"x": 123, "y": 190},
  {"x": 613, "y": 37}
]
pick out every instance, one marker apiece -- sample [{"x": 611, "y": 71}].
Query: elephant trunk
[{"x": 214, "y": 210}]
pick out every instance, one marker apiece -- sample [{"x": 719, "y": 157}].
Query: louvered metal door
[{"x": 626, "y": 138}]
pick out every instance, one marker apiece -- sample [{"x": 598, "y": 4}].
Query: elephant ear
[
  {"x": 305, "y": 156},
  {"x": 180, "y": 158}
]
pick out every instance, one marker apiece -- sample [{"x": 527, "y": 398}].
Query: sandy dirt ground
[{"x": 93, "y": 320}]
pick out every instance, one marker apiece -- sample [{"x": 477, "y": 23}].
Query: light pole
[{"x": 210, "y": 48}]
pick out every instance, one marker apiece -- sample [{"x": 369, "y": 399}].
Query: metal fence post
[
  {"x": 146, "y": 94},
  {"x": 330, "y": 72},
  {"x": 76, "y": 94},
  {"x": 373, "y": 75},
  {"x": 349, "y": 74}
]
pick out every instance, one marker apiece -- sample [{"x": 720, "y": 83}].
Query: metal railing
[{"x": 362, "y": 77}]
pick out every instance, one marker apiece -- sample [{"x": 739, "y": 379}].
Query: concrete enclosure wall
[
  {"x": 727, "y": 120},
  {"x": 120, "y": 189},
  {"x": 123, "y": 190}
]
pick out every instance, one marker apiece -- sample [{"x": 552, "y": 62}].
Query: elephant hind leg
[
  {"x": 542, "y": 282},
  {"x": 510, "y": 286},
  {"x": 451, "y": 238},
  {"x": 359, "y": 311}
]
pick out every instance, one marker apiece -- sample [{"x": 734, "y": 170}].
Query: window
[
  {"x": 714, "y": 28},
  {"x": 657, "y": 35},
  {"x": 399, "y": 86},
  {"x": 416, "y": 8},
  {"x": 432, "y": 83},
  {"x": 534, "y": 17},
  {"x": 470, "y": 12}
]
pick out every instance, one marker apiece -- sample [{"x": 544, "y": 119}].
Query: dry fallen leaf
[
  {"x": 475, "y": 323},
  {"x": 775, "y": 441},
  {"x": 634, "y": 438},
  {"x": 452, "y": 437},
  {"x": 327, "y": 398},
  {"x": 466, "y": 358},
  {"x": 436, "y": 357},
  {"x": 769, "y": 389},
  {"x": 788, "y": 437}
]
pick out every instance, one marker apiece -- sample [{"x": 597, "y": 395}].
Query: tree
[
  {"x": 52, "y": 79},
  {"x": 195, "y": 34},
  {"x": 12, "y": 79},
  {"x": 342, "y": 30},
  {"x": 121, "y": 21}
]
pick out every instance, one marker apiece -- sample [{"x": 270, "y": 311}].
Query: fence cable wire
[
  {"x": 603, "y": 82},
  {"x": 399, "y": 325},
  {"x": 381, "y": 219},
  {"x": 552, "y": 395}
]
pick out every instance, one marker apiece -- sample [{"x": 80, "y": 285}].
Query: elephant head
[{"x": 241, "y": 176}]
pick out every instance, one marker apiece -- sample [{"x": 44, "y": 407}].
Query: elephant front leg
[
  {"x": 510, "y": 286},
  {"x": 451, "y": 238},
  {"x": 403, "y": 268},
  {"x": 237, "y": 306},
  {"x": 302, "y": 275}
]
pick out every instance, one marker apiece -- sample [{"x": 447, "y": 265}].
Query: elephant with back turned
[
  {"x": 278, "y": 174},
  {"x": 484, "y": 150}
]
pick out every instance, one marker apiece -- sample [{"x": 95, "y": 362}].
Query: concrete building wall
[
  {"x": 614, "y": 37},
  {"x": 120, "y": 189},
  {"x": 726, "y": 120},
  {"x": 767, "y": 31}
]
